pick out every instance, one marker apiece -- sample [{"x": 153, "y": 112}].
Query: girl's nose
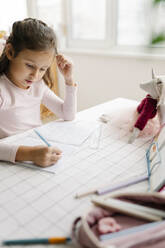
[{"x": 35, "y": 73}]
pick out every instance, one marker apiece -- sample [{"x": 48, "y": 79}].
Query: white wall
[{"x": 102, "y": 77}]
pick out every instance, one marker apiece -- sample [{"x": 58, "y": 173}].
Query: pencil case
[{"x": 90, "y": 229}]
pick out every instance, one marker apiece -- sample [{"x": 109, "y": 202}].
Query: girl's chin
[{"x": 24, "y": 85}]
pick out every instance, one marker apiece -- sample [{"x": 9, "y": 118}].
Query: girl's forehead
[{"x": 38, "y": 57}]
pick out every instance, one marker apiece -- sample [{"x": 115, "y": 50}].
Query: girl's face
[{"x": 29, "y": 66}]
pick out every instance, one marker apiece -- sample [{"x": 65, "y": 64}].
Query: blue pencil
[{"x": 42, "y": 138}]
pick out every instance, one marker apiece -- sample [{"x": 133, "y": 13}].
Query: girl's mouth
[{"x": 29, "y": 82}]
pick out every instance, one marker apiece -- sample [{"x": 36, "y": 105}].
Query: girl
[{"x": 24, "y": 72}]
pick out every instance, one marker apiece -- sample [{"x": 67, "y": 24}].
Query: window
[
  {"x": 51, "y": 12},
  {"x": 87, "y": 25},
  {"x": 10, "y": 13},
  {"x": 158, "y": 22},
  {"x": 110, "y": 23},
  {"x": 132, "y": 23},
  {"x": 101, "y": 24}
]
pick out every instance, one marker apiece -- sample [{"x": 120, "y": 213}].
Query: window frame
[
  {"x": 32, "y": 8},
  {"x": 108, "y": 45},
  {"x": 109, "y": 40}
]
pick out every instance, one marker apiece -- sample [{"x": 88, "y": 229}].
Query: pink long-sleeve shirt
[{"x": 20, "y": 109}]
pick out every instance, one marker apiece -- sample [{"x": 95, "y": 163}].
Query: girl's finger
[
  {"x": 59, "y": 58},
  {"x": 56, "y": 150},
  {"x": 62, "y": 65},
  {"x": 55, "y": 158}
]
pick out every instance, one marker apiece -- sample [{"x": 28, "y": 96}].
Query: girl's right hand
[
  {"x": 42, "y": 156},
  {"x": 45, "y": 156}
]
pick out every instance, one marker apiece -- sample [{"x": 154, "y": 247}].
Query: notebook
[{"x": 155, "y": 157}]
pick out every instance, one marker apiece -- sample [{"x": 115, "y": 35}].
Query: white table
[{"x": 35, "y": 203}]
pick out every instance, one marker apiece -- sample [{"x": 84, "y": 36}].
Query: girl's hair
[{"x": 30, "y": 34}]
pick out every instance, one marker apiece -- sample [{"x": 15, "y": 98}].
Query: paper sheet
[
  {"x": 33, "y": 140},
  {"x": 68, "y": 132},
  {"x": 157, "y": 161}
]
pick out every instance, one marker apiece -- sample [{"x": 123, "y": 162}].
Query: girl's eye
[
  {"x": 42, "y": 69},
  {"x": 30, "y": 66}
]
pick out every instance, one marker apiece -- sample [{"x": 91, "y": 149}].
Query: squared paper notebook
[
  {"x": 68, "y": 132},
  {"x": 68, "y": 136},
  {"x": 155, "y": 156}
]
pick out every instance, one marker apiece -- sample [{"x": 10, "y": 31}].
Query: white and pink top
[{"x": 20, "y": 109}]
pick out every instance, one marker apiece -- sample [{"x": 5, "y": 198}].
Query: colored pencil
[
  {"x": 111, "y": 188},
  {"x": 42, "y": 138},
  {"x": 53, "y": 240}
]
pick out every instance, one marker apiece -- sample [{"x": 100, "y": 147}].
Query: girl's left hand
[{"x": 65, "y": 68}]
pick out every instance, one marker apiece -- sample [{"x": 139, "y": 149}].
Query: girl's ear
[{"x": 9, "y": 51}]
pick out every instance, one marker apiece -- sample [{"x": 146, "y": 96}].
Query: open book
[{"x": 156, "y": 161}]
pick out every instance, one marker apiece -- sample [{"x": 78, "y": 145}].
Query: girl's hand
[
  {"x": 65, "y": 68},
  {"x": 42, "y": 156},
  {"x": 45, "y": 156}
]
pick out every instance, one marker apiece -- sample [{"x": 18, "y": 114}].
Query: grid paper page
[
  {"x": 31, "y": 139},
  {"x": 73, "y": 133},
  {"x": 36, "y": 203}
]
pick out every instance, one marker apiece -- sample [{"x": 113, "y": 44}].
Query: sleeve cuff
[
  {"x": 71, "y": 88},
  {"x": 8, "y": 152}
]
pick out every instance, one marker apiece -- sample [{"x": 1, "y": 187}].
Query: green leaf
[
  {"x": 155, "y": 2},
  {"x": 158, "y": 39}
]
